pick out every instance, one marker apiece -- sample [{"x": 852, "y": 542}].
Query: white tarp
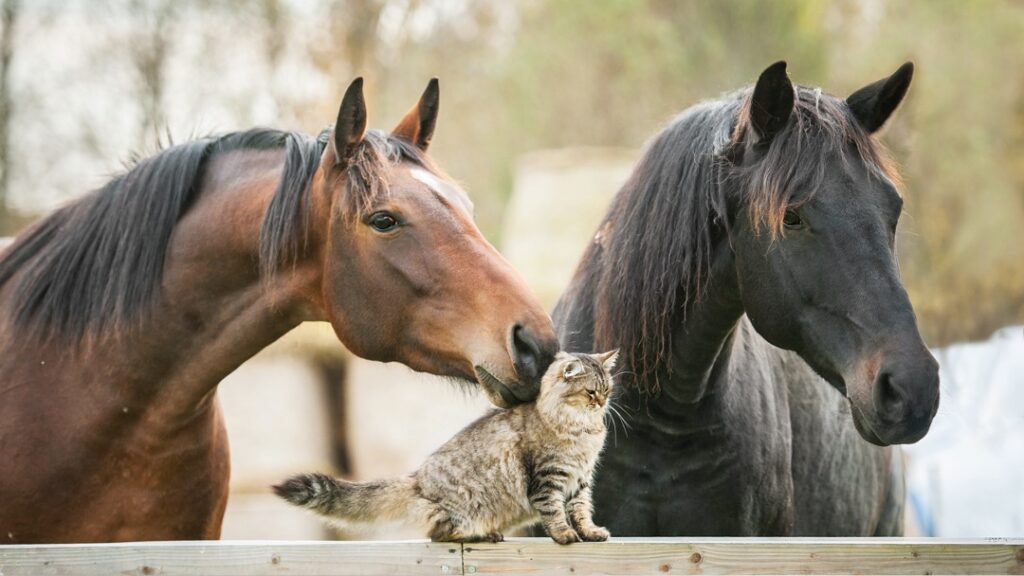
[{"x": 966, "y": 477}]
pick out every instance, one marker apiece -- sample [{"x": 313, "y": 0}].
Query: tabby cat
[{"x": 507, "y": 469}]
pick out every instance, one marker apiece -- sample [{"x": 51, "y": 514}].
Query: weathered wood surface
[
  {"x": 533, "y": 556},
  {"x": 234, "y": 558},
  {"x": 627, "y": 556}
]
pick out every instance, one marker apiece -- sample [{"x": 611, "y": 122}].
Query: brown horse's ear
[
  {"x": 873, "y": 104},
  {"x": 351, "y": 124},
  {"x": 418, "y": 124},
  {"x": 772, "y": 103}
]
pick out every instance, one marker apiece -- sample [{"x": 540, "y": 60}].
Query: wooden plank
[
  {"x": 620, "y": 556},
  {"x": 234, "y": 558},
  {"x": 628, "y": 556}
]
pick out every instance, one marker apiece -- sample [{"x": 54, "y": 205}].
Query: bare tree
[
  {"x": 8, "y": 21},
  {"x": 352, "y": 38},
  {"x": 150, "y": 50}
]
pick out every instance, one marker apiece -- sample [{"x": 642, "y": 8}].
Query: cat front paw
[
  {"x": 565, "y": 536},
  {"x": 595, "y": 534}
]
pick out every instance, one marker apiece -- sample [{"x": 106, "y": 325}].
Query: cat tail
[{"x": 377, "y": 500}]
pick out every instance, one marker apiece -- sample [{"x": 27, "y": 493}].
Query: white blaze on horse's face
[{"x": 445, "y": 189}]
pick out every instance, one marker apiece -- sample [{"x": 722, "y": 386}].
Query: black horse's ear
[
  {"x": 351, "y": 124},
  {"x": 772, "y": 102},
  {"x": 417, "y": 126},
  {"x": 873, "y": 104}
]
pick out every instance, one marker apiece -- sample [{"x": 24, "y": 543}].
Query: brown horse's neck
[
  {"x": 213, "y": 310},
  {"x": 119, "y": 437}
]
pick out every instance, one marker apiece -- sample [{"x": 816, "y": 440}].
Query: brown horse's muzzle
[
  {"x": 531, "y": 355},
  {"x": 531, "y": 351}
]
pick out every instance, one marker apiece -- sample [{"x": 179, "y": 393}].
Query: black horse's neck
[{"x": 700, "y": 341}]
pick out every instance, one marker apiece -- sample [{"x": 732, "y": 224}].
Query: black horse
[{"x": 748, "y": 264}]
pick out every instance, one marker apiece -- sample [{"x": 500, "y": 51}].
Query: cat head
[{"x": 578, "y": 383}]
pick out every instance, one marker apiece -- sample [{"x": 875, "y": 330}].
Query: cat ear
[
  {"x": 608, "y": 359},
  {"x": 572, "y": 369}
]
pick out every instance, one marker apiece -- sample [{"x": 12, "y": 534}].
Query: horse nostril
[
  {"x": 525, "y": 353},
  {"x": 890, "y": 401},
  {"x": 904, "y": 398}
]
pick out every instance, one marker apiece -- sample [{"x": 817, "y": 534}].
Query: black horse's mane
[
  {"x": 99, "y": 261},
  {"x": 651, "y": 259}
]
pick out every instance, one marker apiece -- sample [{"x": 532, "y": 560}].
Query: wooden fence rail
[{"x": 534, "y": 556}]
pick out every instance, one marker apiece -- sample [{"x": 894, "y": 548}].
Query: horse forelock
[
  {"x": 654, "y": 256},
  {"x": 369, "y": 170}
]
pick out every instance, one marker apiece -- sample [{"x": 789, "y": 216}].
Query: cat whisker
[
  {"x": 617, "y": 394},
  {"x": 615, "y": 430},
  {"x": 625, "y": 423},
  {"x": 613, "y": 416}
]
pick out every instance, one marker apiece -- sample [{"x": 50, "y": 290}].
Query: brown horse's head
[{"x": 407, "y": 276}]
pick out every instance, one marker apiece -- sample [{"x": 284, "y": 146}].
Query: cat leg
[
  {"x": 581, "y": 513},
  {"x": 446, "y": 528},
  {"x": 548, "y": 499},
  {"x": 493, "y": 536},
  {"x": 450, "y": 531},
  {"x": 442, "y": 528}
]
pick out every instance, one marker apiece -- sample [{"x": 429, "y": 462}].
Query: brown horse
[{"x": 123, "y": 311}]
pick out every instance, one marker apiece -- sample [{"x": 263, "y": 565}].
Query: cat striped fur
[{"x": 509, "y": 468}]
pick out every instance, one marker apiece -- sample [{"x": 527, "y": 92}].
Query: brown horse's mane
[
  {"x": 652, "y": 261},
  {"x": 98, "y": 261}
]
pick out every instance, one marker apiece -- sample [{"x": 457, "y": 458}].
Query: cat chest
[{"x": 568, "y": 474}]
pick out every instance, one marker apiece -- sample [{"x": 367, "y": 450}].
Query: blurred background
[{"x": 545, "y": 105}]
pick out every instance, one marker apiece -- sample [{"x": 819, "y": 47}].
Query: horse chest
[
  {"x": 119, "y": 480},
  {"x": 179, "y": 489},
  {"x": 698, "y": 470}
]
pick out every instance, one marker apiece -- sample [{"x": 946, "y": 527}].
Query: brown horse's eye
[
  {"x": 383, "y": 222},
  {"x": 791, "y": 219}
]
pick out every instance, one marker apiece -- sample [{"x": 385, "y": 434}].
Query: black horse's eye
[
  {"x": 383, "y": 222},
  {"x": 791, "y": 219}
]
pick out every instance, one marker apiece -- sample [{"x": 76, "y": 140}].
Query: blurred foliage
[{"x": 521, "y": 76}]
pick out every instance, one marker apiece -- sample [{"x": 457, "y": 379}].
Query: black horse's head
[{"x": 813, "y": 228}]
